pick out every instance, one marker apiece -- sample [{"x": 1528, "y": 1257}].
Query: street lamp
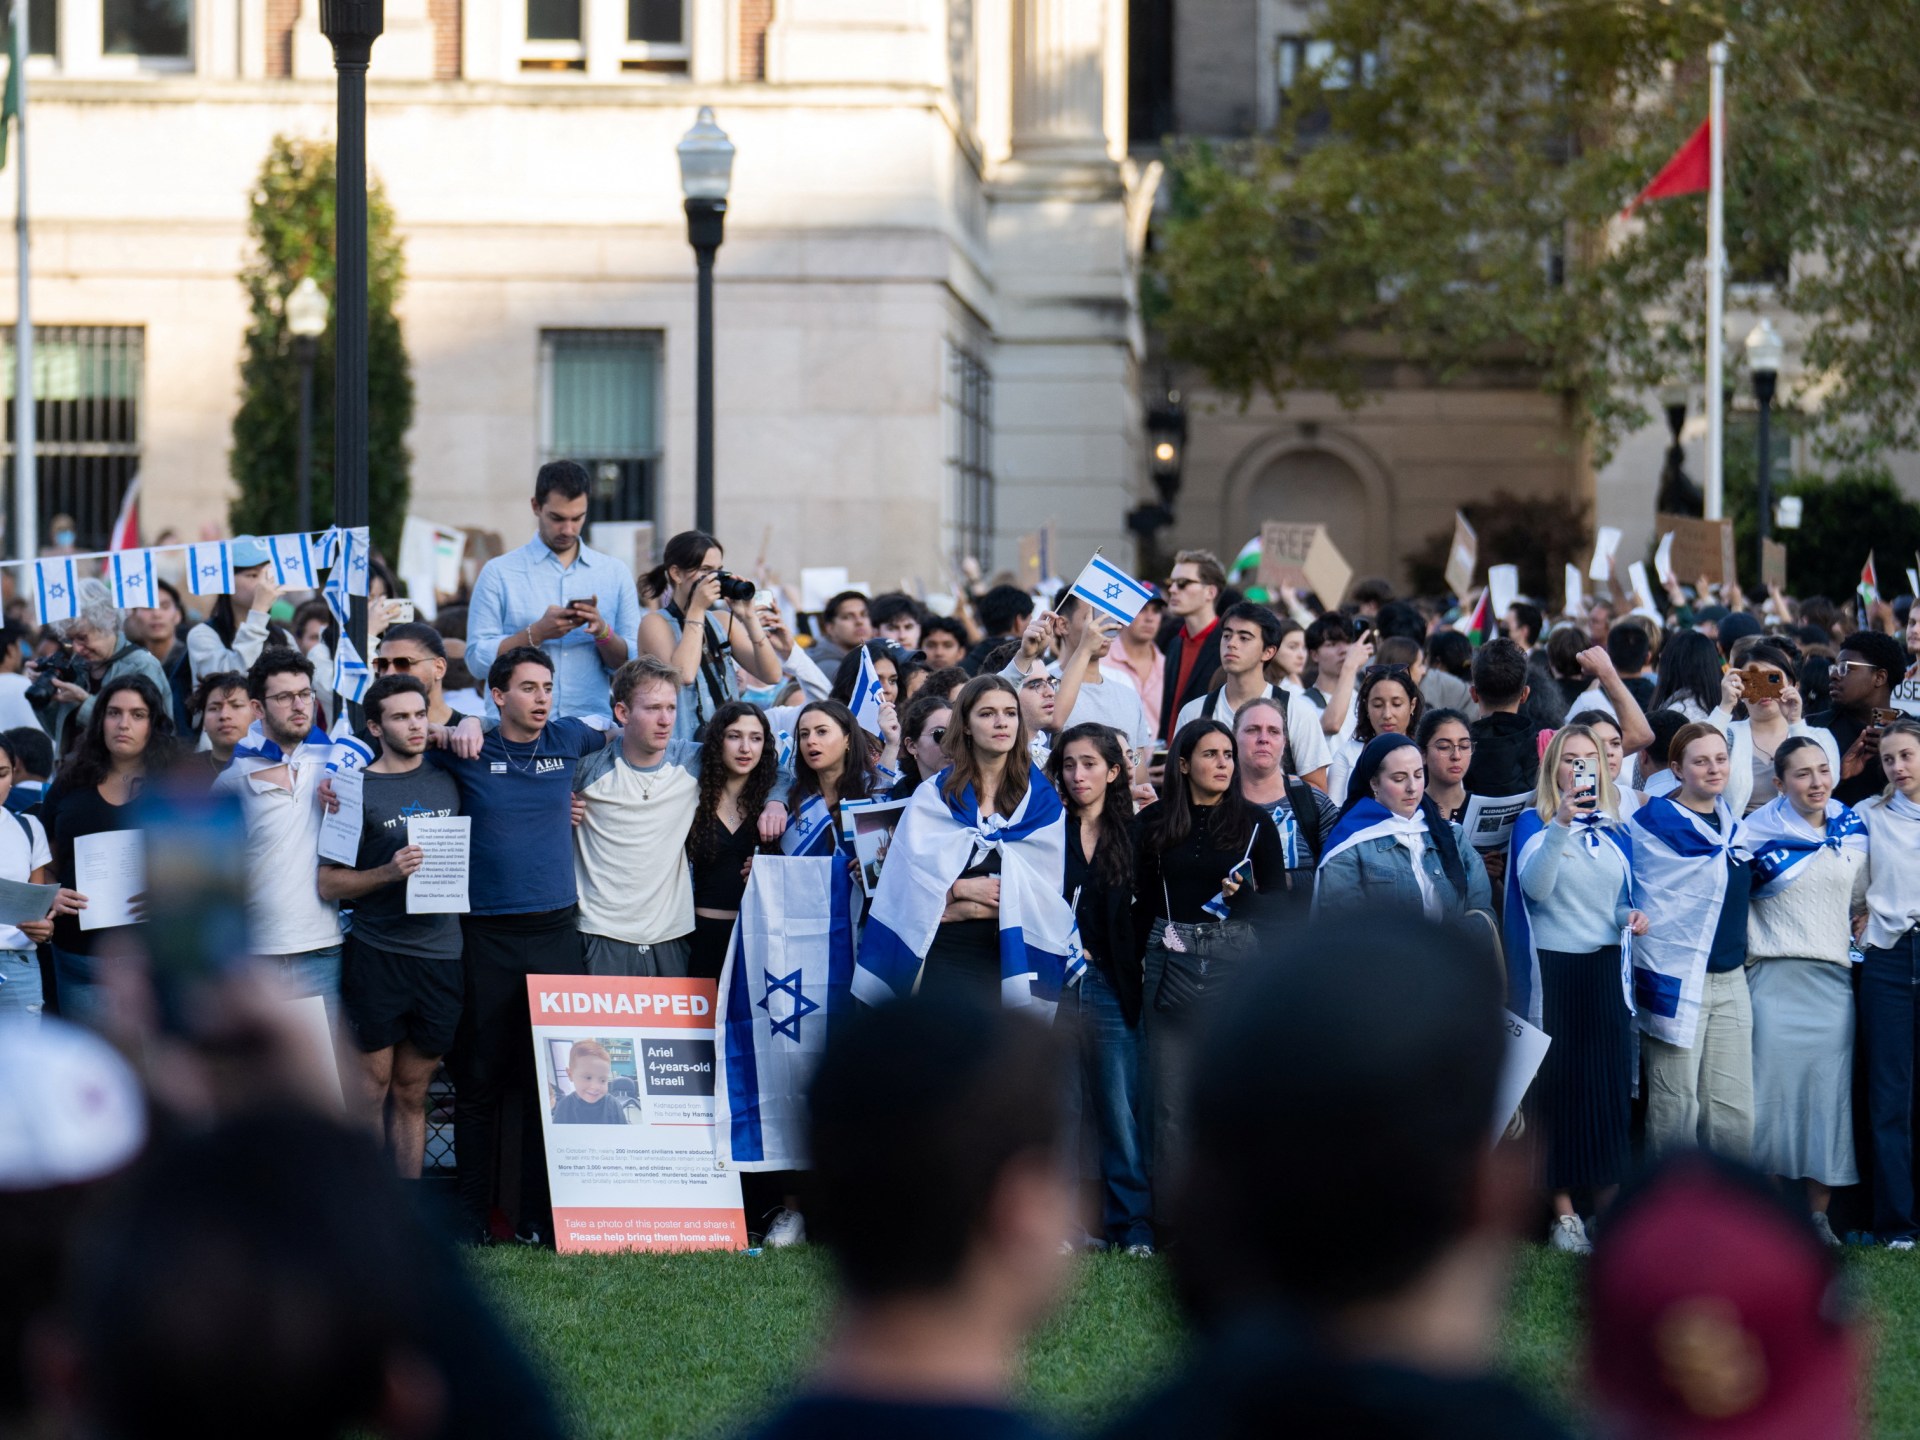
[
  {"x": 1764, "y": 353},
  {"x": 307, "y": 322},
  {"x": 706, "y": 170},
  {"x": 351, "y": 26},
  {"x": 1678, "y": 494},
  {"x": 1166, "y": 454}
]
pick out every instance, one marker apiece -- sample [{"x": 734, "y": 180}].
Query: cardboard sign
[
  {"x": 1773, "y": 564},
  {"x": 1036, "y": 557},
  {"x": 1462, "y": 556},
  {"x": 1700, "y": 547},
  {"x": 626, "y": 1070},
  {"x": 1297, "y": 555}
]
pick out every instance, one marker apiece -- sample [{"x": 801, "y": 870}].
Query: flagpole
[
  {"x": 1716, "y": 276},
  {"x": 26, "y": 483}
]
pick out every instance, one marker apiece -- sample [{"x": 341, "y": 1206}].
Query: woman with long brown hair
[{"x": 738, "y": 766}]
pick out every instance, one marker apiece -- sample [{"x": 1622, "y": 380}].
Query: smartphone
[
  {"x": 1586, "y": 781},
  {"x": 579, "y": 600},
  {"x": 766, "y": 600},
  {"x": 196, "y": 849},
  {"x": 1762, "y": 682},
  {"x": 1883, "y": 718},
  {"x": 399, "y": 612}
]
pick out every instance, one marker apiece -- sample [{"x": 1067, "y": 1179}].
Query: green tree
[
  {"x": 1444, "y": 190},
  {"x": 291, "y": 226}
]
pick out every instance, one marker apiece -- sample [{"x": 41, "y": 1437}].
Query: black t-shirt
[
  {"x": 829, "y": 1417},
  {"x": 380, "y": 917},
  {"x": 717, "y": 881},
  {"x": 1187, "y": 876},
  {"x": 1506, "y": 755},
  {"x": 67, "y": 815},
  {"x": 1846, "y": 729}
]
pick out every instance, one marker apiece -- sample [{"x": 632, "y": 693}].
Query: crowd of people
[{"x": 1692, "y": 838}]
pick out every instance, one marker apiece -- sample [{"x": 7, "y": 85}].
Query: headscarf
[{"x": 1439, "y": 829}]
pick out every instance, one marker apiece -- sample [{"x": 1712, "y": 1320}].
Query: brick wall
[
  {"x": 755, "y": 15},
  {"x": 281, "y": 15},
  {"x": 445, "y": 15}
]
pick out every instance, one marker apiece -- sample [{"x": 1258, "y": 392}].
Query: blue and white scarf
[
  {"x": 1368, "y": 820},
  {"x": 812, "y": 831},
  {"x": 934, "y": 842},
  {"x": 1781, "y": 842},
  {"x": 1680, "y": 865},
  {"x": 1523, "y": 956}
]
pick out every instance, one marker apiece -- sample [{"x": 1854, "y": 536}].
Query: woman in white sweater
[
  {"x": 1755, "y": 741},
  {"x": 1809, "y": 877},
  {"x": 1890, "y": 937},
  {"x": 1569, "y": 887}
]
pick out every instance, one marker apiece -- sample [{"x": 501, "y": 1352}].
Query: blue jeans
[
  {"x": 76, "y": 980},
  {"x": 20, "y": 983},
  {"x": 315, "y": 972},
  {"x": 1889, "y": 1022},
  {"x": 1110, "y": 1087}
]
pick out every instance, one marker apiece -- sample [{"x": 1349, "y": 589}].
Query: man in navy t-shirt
[
  {"x": 942, "y": 1196},
  {"x": 519, "y": 793}
]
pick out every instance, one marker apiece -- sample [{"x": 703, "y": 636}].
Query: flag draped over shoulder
[
  {"x": 934, "y": 842},
  {"x": 1523, "y": 956},
  {"x": 1680, "y": 873},
  {"x": 1781, "y": 842},
  {"x": 786, "y": 986}
]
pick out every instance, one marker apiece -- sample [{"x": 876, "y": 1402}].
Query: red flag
[
  {"x": 125, "y": 534},
  {"x": 1478, "y": 626},
  {"x": 1687, "y": 173}
]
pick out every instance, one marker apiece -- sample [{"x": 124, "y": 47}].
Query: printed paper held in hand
[
  {"x": 1489, "y": 819},
  {"x": 340, "y": 831},
  {"x": 110, "y": 868},
  {"x": 439, "y": 886},
  {"x": 1526, "y": 1048},
  {"x": 21, "y": 903},
  {"x": 1604, "y": 544}
]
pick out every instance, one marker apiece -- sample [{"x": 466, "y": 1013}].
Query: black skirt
[
  {"x": 711, "y": 936},
  {"x": 1584, "y": 1094},
  {"x": 964, "y": 959}
]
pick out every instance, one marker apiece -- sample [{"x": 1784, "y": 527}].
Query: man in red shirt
[{"x": 1194, "y": 652}]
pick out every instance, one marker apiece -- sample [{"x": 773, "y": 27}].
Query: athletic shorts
[{"x": 389, "y": 998}]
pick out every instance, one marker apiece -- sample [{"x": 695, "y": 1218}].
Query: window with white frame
[
  {"x": 600, "y": 405},
  {"x": 146, "y": 29},
  {"x": 606, "y": 36}
]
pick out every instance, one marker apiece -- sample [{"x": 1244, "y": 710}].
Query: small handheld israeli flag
[
  {"x": 1110, "y": 590},
  {"x": 324, "y": 549},
  {"x": 335, "y": 591},
  {"x": 869, "y": 694},
  {"x": 354, "y": 553},
  {"x": 349, "y": 751},
  {"x": 351, "y": 677},
  {"x": 210, "y": 568},
  {"x": 55, "y": 583},
  {"x": 131, "y": 574},
  {"x": 1218, "y": 906},
  {"x": 783, "y": 749},
  {"x": 292, "y": 565}
]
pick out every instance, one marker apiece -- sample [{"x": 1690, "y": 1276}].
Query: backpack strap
[{"x": 1306, "y": 816}]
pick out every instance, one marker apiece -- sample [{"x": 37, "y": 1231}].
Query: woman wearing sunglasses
[
  {"x": 1770, "y": 719},
  {"x": 1389, "y": 704},
  {"x": 922, "y": 729}
]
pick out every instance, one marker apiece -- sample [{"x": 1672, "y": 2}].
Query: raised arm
[{"x": 1635, "y": 733}]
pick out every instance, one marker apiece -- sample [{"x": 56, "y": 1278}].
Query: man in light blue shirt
[{"x": 573, "y": 602}]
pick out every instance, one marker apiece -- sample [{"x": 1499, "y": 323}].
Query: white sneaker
[
  {"x": 1570, "y": 1235},
  {"x": 1140, "y": 1251},
  {"x": 1905, "y": 1242},
  {"x": 1824, "y": 1229},
  {"x": 789, "y": 1227}
]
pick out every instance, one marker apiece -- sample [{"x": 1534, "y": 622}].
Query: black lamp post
[
  {"x": 706, "y": 171},
  {"x": 307, "y": 321},
  {"x": 351, "y": 26},
  {"x": 1764, "y": 353},
  {"x": 1166, "y": 454},
  {"x": 1678, "y": 494}
]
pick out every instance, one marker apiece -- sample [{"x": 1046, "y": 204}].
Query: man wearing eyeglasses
[
  {"x": 1194, "y": 652},
  {"x": 1861, "y": 685},
  {"x": 277, "y": 782}
]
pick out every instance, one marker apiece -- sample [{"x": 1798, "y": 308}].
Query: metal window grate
[
  {"x": 600, "y": 405},
  {"x": 969, "y": 407},
  {"x": 88, "y": 388}
]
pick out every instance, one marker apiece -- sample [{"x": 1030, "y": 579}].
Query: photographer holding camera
[
  {"x": 93, "y": 651},
  {"x": 559, "y": 595},
  {"x": 704, "y": 643}
]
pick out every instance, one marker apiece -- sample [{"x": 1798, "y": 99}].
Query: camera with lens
[
  {"x": 734, "y": 589},
  {"x": 63, "y": 664}
]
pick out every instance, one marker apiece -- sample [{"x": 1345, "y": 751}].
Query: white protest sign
[
  {"x": 1573, "y": 590},
  {"x": 1503, "y": 586},
  {"x": 819, "y": 584},
  {"x": 340, "y": 830},
  {"x": 1642, "y": 589},
  {"x": 1462, "y": 556},
  {"x": 1663, "y": 559},
  {"x": 109, "y": 868},
  {"x": 1489, "y": 819},
  {"x": 1604, "y": 544},
  {"x": 1526, "y": 1048},
  {"x": 439, "y": 886}
]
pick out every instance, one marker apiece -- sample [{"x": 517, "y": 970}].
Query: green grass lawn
[{"x": 693, "y": 1345}]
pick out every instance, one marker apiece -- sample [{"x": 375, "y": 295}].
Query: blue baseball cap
[{"x": 247, "y": 551}]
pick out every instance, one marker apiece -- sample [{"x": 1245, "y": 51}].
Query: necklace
[{"x": 533, "y": 756}]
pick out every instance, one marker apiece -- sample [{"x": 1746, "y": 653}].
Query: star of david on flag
[
  {"x": 798, "y": 1006},
  {"x": 351, "y": 677},
  {"x": 1110, "y": 590},
  {"x": 869, "y": 694},
  {"x": 210, "y": 568},
  {"x": 292, "y": 565},
  {"x": 131, "y": 573},
  {"x": 55, "y": 582},
  {"x": 356, "y": 550}
]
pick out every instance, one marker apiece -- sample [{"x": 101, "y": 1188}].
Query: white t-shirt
[
  {"x": 22, "y": 851},
  {"x": 1304, "y": 735},
  {"x": 1115, "y": 704},
  {"x": 629, "y": 851},
  {"x": 15, "y": 712},
  {"x": 285, "y": 914}
]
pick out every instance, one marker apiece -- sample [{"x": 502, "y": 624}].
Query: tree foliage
[
  {"x": 1459, "y": 207},
  {"x": 291, "y": 227},
  {"x": 1537, "y": 535}
]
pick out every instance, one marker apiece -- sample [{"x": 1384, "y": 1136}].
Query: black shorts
[{"x": 389, "y": 998}]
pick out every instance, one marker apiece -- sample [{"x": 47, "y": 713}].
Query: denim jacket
[{"x": 1378, "y": 875}]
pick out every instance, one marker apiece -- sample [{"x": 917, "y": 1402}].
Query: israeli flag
[
  {"x": 351, "y": 677},
  {"x": 335, "y": 594},
  {"x": 292, "y": 565},
  {"x": 357, "y": 548},
  {"x": 131, "y": 574},
  {"x": 783, "y": 750},
  {"x": 349, "y": 751},
  {"x": 1528, "y": 840},
  {"x": 811, "y": 831},
  {"x": 210, "y": 568},
  {"x": 55, "y": 585},
  {"x": 1680, "y": 872},
  {"x": 1781, "y": 842},
  {"x": 323, "y": 549},
  {"x": 786, "y": 987},
  {"x": 869, "y": 694},
  {"x": 1110, "y": 590}
]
